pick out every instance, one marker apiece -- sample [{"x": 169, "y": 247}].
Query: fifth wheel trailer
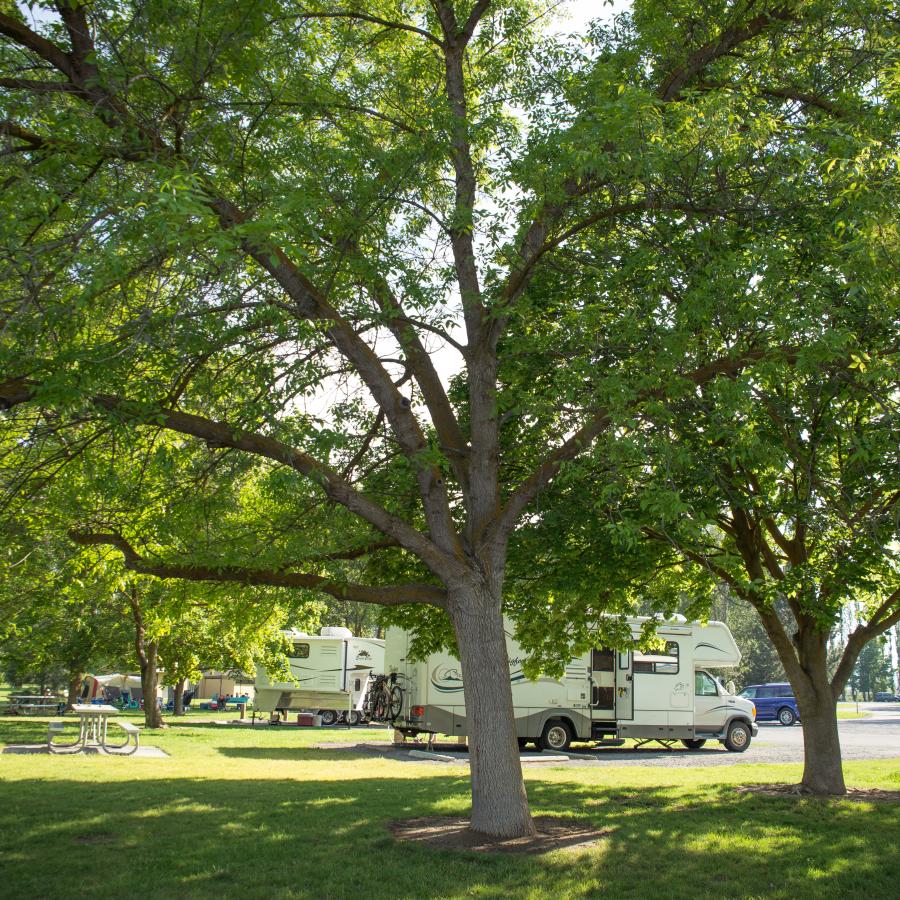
[
  {"x": 604, "y": 693},
  {"x": 332, "y": 672}
]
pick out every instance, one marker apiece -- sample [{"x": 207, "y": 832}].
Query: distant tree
[
  {"x": 759, "y": 659},
  {"x": 872, "y": 671},
  {"x": 57, "y": 618},
  {"x": 214, "y": 627}
]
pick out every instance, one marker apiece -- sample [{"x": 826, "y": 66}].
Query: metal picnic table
[
  {"x": 94, "y": 721},
  {"x": 33, "y": 704},
  {"x": 92, "y": 733}
]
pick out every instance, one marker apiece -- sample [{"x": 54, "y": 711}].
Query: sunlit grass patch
[{"x": 265, "y": 812}]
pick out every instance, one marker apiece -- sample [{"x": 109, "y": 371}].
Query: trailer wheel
[
  {"x": 354, "y": 717},
  {"x": 329, "y": 716},
  {"x": 693, "y": 743},
  {"x": 786, "y": 716},
  {"x": 557, "y": 736},
  {"x": 738, "y": 738}
]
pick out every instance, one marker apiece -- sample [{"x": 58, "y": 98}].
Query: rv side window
[
  {"x": 602, "y": 660},
  {"x": 663, "y": 663},
  {"x": 704, "y": 686},
  {"x": 623, "y": 660},
  {"x": 301, "y": 651}
]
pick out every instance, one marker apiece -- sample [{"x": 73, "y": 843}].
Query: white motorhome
[
  {"x": 604, "y": 693},
  {"x": 332, "y": 672}
]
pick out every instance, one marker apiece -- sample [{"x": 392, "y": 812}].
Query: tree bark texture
[
  {"x": 822, "y": 770},
  {"x": 178, "y": 708},
  {"x": 150, "y": 685},
  {"x": 147, "y": 652},
  {"x": 74, "y": 689},
  {"x": 499, "y": 802},
  {"x": 805, "y": 660}
]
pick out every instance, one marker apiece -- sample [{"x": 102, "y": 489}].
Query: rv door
[{"x": 624, "y": 687}]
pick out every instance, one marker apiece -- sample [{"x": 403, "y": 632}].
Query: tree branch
[
  {"x": 528, "y": 489},
  {"x": 31, "y": 40},
  {"x": 375, "y": 20},
  {"x": 360, "y": 593},
  {"x": 675, "y": 82},
  {"x": 219, "y": 434},
  {"x": 879, "y": 622}
]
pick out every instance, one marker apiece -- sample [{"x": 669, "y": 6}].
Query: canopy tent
[{"x": 93, "y": 685}]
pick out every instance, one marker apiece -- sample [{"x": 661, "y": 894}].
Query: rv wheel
[
  {"x": 557, "y": 736},
  {"x": 693, "y": 743},
  {"x": 329, "y": 716},
  {"x": 738, "y": 738},
  {"x": 354, "y": 717}
]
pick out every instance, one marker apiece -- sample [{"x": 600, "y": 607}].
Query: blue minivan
[{"x": 774, "y": 702}]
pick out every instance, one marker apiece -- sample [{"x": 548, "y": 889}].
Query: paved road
[{"x": 877, "y": 736}]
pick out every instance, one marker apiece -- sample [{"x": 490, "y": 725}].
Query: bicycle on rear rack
[{"x": 384, "y": 700}]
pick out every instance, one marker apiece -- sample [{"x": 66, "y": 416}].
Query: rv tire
[
  {"x": 557, "y": 736},
  {"x": 737, "y": 740},
  {"x": 329, "y": 717},
  {"x": 353, "y": 717},
  {"x": 693, "y": 743}
]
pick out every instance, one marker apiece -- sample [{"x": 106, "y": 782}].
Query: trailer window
[
  {"x": 301, "y": 651},
  {"x": 662, "y": 663},
  {"x": 603, "y": 660}
]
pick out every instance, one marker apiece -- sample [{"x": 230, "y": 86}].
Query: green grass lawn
[
  {"x": 259, "y": 813},
  {"x": 850, "y": 711}
]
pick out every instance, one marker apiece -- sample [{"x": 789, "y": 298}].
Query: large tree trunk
[
  {"x": 499, "y": 802},
  {"x": 74, "y": 689},
  {"x": 178, "y": 709},
  {"x": 822, "y": 771},
  {"x": 150, "y": 685}
]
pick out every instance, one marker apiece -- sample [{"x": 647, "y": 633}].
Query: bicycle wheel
[
  {"x": 396, "y": 701},
  {"x": 380, "y": 707}
]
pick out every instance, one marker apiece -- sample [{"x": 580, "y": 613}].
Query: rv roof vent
[{"x": 336, "y": 631}]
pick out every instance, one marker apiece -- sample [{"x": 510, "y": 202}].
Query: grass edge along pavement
[{"x": 242, "y": 812}]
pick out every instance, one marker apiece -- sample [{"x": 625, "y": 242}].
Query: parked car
[
  {"x": 886, "y": 697},
  {"x": 774, "y": 702}
]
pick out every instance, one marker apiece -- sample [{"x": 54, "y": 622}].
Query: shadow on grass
[
  {"x": 299, "y": 754},
  {"x": 177, "y": 837}
]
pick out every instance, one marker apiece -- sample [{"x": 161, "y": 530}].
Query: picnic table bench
[
  {"x": 96, "y": 737},
  {"x": 131, "y": 731}
]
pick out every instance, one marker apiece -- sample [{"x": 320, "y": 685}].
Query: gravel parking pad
[{"x": 875, "y": 737}]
